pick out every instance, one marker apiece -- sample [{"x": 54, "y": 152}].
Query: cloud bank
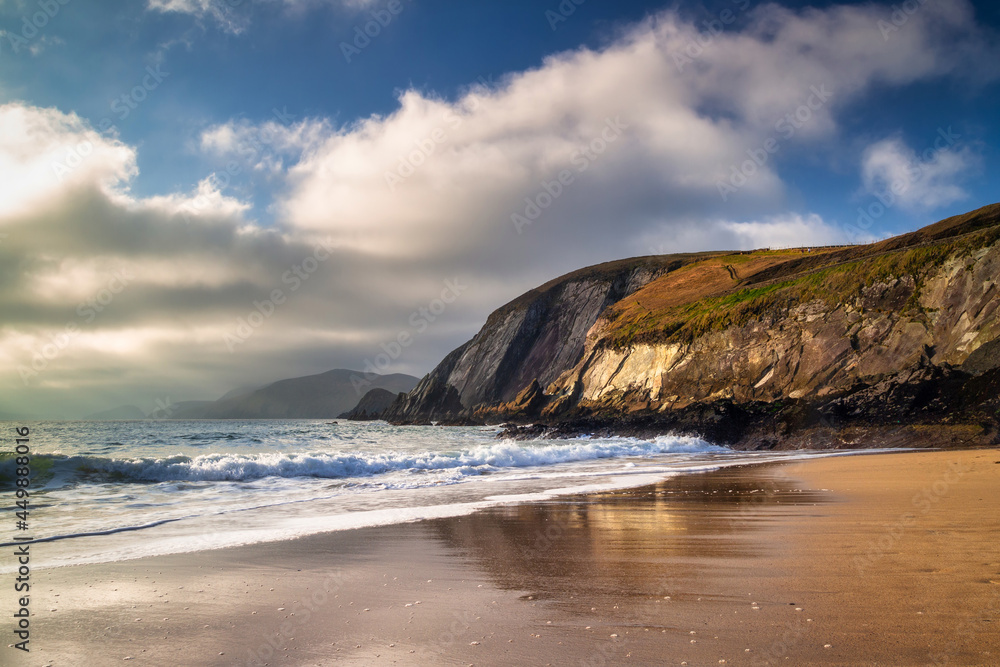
[{"x": 668, "y": 139}]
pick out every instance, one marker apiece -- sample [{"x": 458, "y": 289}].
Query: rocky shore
[{"x": 895, "y": 343}]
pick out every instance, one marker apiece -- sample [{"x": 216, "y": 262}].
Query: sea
[{"x": 120, "y": 490}]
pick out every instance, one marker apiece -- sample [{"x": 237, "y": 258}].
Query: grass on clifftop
[{"x": 658, "y": 313}]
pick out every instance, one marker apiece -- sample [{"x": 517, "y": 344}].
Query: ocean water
[{"x": 110, "y": 491}]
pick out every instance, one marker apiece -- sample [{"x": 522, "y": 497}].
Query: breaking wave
[{"x": 472, "y": 461}]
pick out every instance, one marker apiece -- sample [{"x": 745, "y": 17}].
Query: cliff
[
  {"x": 534, "y": 337},
  {"x": 371, "y": 406},
  {"x": 879, "y": 344}
]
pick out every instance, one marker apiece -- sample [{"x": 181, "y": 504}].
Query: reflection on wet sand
[{"x": 649, "y": 543}]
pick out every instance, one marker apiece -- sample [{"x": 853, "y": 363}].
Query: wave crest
[{"x": 475, "y": 460}]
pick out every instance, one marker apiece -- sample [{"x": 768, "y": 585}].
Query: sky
[{"x": 197, "y": 195}]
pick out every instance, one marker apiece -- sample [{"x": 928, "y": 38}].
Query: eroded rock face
[
  {"x": 917, "y": 344},
  {"x": 535, "y": 337},
  {"x": 528, "y": 403},
  {"x": 812, "y": 352}
]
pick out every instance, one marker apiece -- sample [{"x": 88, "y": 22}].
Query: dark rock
[
  {"x": 896, "y": 343},
  {"x": 371, "y": 406}
]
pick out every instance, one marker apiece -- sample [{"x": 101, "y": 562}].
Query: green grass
[{"x": 833, "y": 285}]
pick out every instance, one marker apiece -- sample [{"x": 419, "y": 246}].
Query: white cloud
[
  {"x": 458, "y": 169},
  {"x": 789, "y": 230},
  {"x": 73, "y": 231},
  {"x": 892, "y": 170},
  {"x": 264, "y": 146},
  {"x": 205, "y": 200},
  {"x": 41, "y": 44},
  {"x": 783, "y": 231},
  {"x": 198, "y": 7},
  {"x": 643, "y": 145},
  {"x": 151, "y": 286},
  {"x": 44, "y": 151},
  {"x": 225, "y": 12},
  {"x": 232, "y": 15}
]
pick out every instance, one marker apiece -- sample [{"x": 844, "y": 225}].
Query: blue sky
[
  {"x": 289, "y": 56},
  {"x": 207, "y": 147},
  {"x": 283, "y": 56}
]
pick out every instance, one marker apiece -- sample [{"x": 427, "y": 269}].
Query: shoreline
[
  {"x": 149, "y": 540},
  {"x": 662, "y": 574},
  {"x": 759, "y": 427}
]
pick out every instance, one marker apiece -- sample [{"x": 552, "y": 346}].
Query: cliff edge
[{"x": 895, "y": 342}]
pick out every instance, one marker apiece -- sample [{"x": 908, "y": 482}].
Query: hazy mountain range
[{"x": 322, "y": 396}]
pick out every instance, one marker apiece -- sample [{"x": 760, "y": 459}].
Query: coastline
[
  {"x": 890, "y": 558},
  {"x": 786, "y": 425}
]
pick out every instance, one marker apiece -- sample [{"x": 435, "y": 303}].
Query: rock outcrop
[
  {"x": 758, "y": 349},
  {"x": 535, "y": 337},
  {"x": 371, "y": 406}
]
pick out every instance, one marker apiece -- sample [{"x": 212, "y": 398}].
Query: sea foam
[{"x": 505, "y": 454}]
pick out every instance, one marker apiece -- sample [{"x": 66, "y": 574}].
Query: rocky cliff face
[
  {"x": 758, "y": 348},
  {"x": 371, "y": 406},
  {"x": 815, "y": 348},
  {"x": 535, "y": 337}
]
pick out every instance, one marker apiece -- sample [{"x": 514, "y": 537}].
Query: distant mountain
[
  {"x": 121, "y": 412},
  {"x": 323, "y": 396},
  {"x": 172, "y": 410},
  {"x": 371, "y": 406},
  {"x": 240, "y": 391}
]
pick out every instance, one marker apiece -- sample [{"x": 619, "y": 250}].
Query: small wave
[
  {"x": 471, "y": 461},
  {"x": 211, "y": 435}
]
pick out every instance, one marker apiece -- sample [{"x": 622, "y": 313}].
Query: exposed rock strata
[
  {"x": 535, "y": 337},
  {"x": 893, "y": 343}
]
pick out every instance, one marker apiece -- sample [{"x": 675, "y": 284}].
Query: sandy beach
[{"x": 885, "y": 559}]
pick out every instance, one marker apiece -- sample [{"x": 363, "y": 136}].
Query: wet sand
[{"x": 888, "y": 559}]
